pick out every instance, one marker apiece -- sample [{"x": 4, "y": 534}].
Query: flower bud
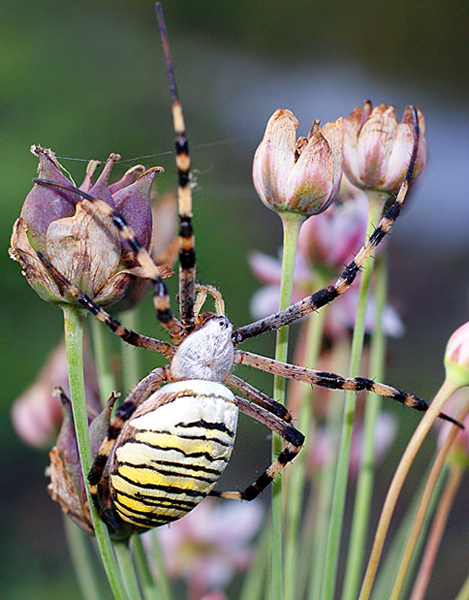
[
  {"x": 377, "y": 148},
  {"x": 82, "y": 244},
  {"x": 298, "y": 175},
  {"x": 457, "y": 356}
]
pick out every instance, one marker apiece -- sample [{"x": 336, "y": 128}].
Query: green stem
[
  {"x": 80, "y": 553},
  {"x": 74, "y": 319},
  {"x": 341, "y": 477},
  {"x": 253, "y": 585},
  {"x": 296, "y": 480},
  {"x": 101, "y": 353},
  {"x": 164, "y": 587},
  {"x": 130, "y": 356},
  {"x": 324, "y": 480},
  {"x": 126, "y": 566},
  {"x": 141, "y": 563},
  {"x": 291, "y": 228},
  {"x": 446, "y": 390},
  {"x": 361, "y": 512},
  {"x": 464, "y": 591}
]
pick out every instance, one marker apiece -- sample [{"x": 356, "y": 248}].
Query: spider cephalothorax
[{"x": 173, "y": 436}]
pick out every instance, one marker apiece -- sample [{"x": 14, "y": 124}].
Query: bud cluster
[{"x": 302, "y": 175}]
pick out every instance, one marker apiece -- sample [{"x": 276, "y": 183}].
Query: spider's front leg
[
  {"x": 333, "y": 381},
  {"x": 292, "y": 436}
]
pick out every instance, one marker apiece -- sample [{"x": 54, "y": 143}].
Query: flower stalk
[
  {"x": 446, "y": 390},
  {"x": 291, "y": 227},
  {"x": 341, "y": 476},
  {"x": 74, "y": 319}
]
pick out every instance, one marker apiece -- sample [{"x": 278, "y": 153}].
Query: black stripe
[
  {"x": 166, "y": 489},
  {"x": 168, "y": 472},
  {"x": 192, "y": 467},
  {"x": 155, "y": 501},
  {"x": 208, "y": 425},
  {"x": 187, "y": 454}
]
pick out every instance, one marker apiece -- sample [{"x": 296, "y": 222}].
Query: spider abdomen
[{"x": 171, "y": 453}]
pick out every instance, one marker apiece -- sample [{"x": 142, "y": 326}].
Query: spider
[{"x": 167, "y": 446}]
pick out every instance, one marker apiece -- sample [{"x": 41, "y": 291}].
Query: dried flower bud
[
  {"x": 81, "y": 242},
  {"x": 298, "y": 175},
  {"x": 377, "y": 148},
  {"x": 457, "y": 356}
]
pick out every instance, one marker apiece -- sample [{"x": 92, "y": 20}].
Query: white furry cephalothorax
[{"x": 207, "y": 353}]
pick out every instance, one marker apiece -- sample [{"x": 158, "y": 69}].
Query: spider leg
[
  {"x": 187, "y": 269},
  {"x": 333, "y": 381},
  {"x": 129, "y": 336},
  {"x": 258, "y": 397},
  {"x": 325, "y": 296},
  {"x": 96, "y": 475},
  {"x": 291, "y": 435}
]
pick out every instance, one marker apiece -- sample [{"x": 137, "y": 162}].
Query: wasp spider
[{"x": 167, "y": 446}]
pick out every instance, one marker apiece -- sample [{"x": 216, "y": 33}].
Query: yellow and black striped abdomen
[{"x": 171, "y": 453}]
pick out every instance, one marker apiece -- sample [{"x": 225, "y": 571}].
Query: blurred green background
[{"x": 87, "y": 77}]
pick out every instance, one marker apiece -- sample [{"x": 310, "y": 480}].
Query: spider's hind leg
[{"x": 292, "y": 436}]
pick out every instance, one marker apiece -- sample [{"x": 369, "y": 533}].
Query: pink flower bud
[
  {"x": 377, "y": 148},
  {"x": 457, "y": 356},
  {"x": 298, "y": 175}
]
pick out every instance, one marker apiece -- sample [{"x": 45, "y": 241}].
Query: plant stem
[
  {"x": 79, "y": 551},
  {"x": 341, "y": 476},
  {"x": 74, "y": 318},
  {"x": 400, "y": 475},
  {"x": 436, "y": 533},
  {"x": 163, "y": 585},
  {"x": 291, "y": 228},
  {"x": 362, "y": 504},
  {"x": 126, "y": 565},
  {"x": 141, "y": 563},
  {"x": 101, "y": 353},
  {"x": 130, "y": 356},
  {"x": 296, "y": 480}
]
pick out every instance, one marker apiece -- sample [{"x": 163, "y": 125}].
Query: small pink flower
[
  {"x": 37, "y": 414},
  {"x": 298, "y": 175},
  {"x": 323, "y": 446},
  {"x": 210, "y": 544},
  {"x": 457, "y": 356},
  {"x": 377, "y": 148}
]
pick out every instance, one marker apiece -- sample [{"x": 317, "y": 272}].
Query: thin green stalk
[
  {"x": 341, "y": 476},
  {"x": 145, "y": 577},
  {"x": 162, "y": 581},
  {"x": 291, "y": 228},
  {"x": 80, "y": 553},
  {"x": 296, "y": 480},
  {"x": 464, "y": 591},
  {"x": 127, "y": 569},
  {"x": 445, "y": 391},
  {"x": 423, "y": 510},
  {"x": 253, "y": 585},
  {"x": 436, "y": 533},
  {"x": 101, "y": 353},
  {"x": 362, "y": 505},
  {"x": 74, "y": 318},
  {"x": 130, "y": 357},
  {"x": 324, "y": 480}
]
